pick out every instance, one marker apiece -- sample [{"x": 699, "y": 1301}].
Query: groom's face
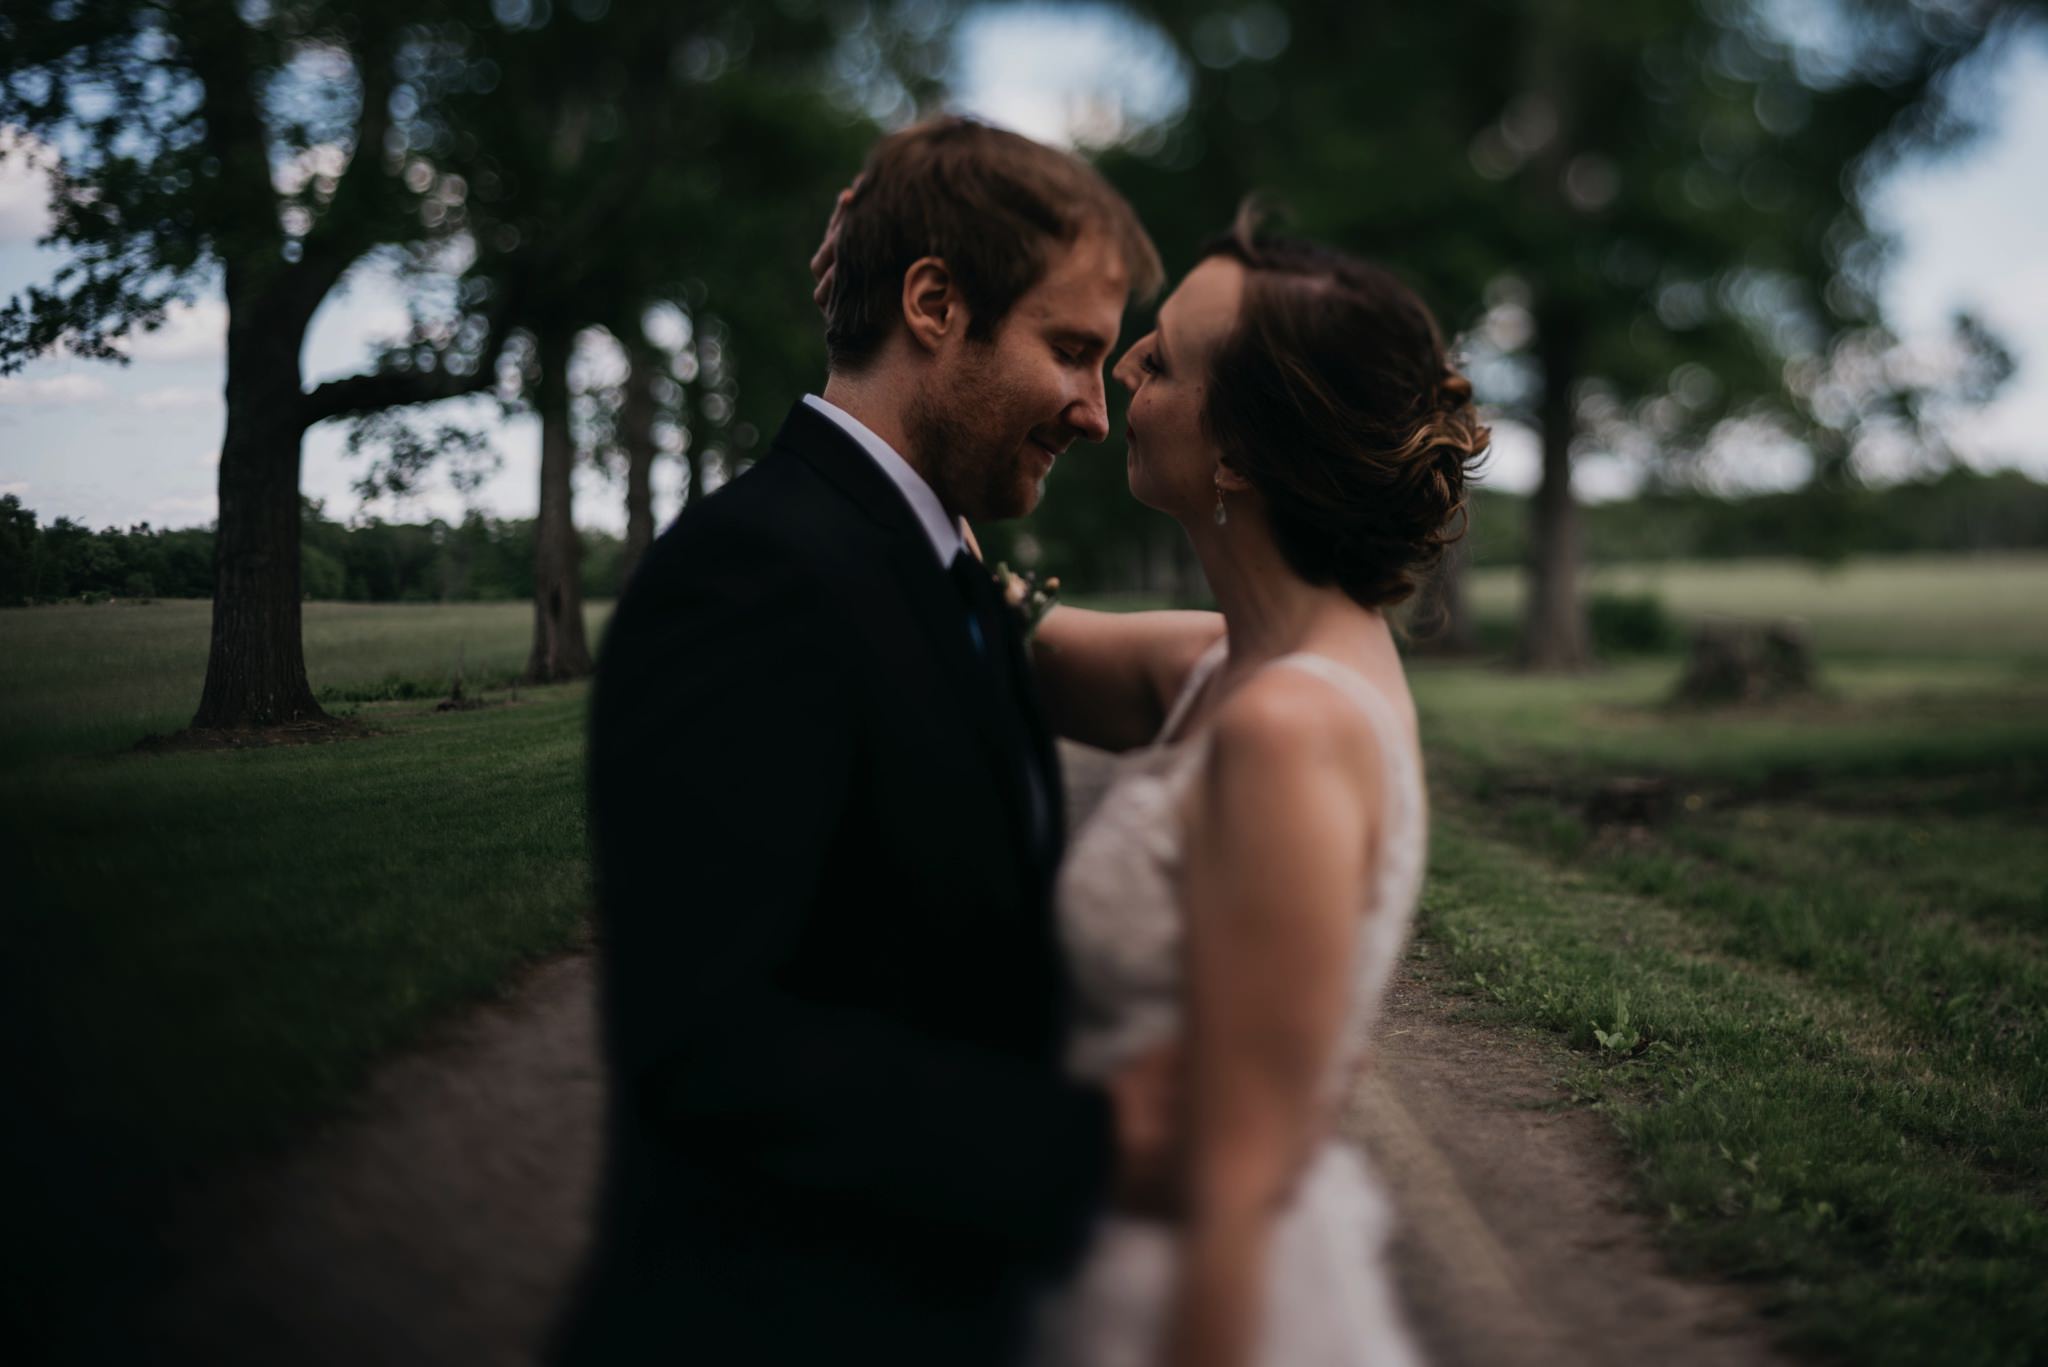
[{"x": 994, "y": 415}]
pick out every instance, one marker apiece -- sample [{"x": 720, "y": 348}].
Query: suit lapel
[{"x": 932, "y": 600}]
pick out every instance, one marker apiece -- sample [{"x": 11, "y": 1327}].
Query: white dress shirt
[{"x": 943, "y": 530}]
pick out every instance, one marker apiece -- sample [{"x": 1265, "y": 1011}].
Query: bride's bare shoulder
[
  {"x": 1287, "y": 727},
  {"x": 1291, "y": 782}
]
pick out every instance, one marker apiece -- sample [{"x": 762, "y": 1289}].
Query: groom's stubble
[{"x": 967, "y": 443}]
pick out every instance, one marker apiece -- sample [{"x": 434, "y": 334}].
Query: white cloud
[
  {"x": 367, "y": 308},
  {"x": 1970, "y": 223},
  {"x": 1067, "y": 74},
  {"x": 190, "y": 332},
  {"x": 19, "y": 488},
  {"x": 181, "y": 510},
  {"x": 55, "y": 389},
  {"x": 174, "y": 396},
  {"x": 24, "y": 187},
  {"x": 1515, "y": 464}
]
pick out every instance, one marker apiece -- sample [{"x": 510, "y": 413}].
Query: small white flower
[{"x": 1025, "y": 596}]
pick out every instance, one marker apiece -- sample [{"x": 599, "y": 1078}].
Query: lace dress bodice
[
  {"x": 1118, "y": 892},
  {"x": 1118, "y": 900}
]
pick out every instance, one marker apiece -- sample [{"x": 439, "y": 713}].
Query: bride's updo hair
[{"x": 1333, "y": 396}]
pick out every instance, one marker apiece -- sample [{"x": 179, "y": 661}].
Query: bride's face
[{"x": 1172, "y": 465}]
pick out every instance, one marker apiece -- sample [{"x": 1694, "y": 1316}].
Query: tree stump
[
  {"x": 1629, "y": 802},
  {"x": 1735, "y": 661}
]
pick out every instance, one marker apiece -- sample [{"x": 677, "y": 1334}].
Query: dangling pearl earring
[{"x": 1222, "y": 513}]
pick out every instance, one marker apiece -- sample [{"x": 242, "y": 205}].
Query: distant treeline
[
  {"x": 1959, "y": 511},
  {"x": 377, "y": 562},
  {"x": 492, "y": 558}
]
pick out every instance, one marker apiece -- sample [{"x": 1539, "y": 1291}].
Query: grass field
[
  {"x": 1812, "y": 993},
  {"x": 1809, "y": 986},
  {"x": 76, "y": 679},
  {"x": 206, "y": 949},
  {"x": 1975, "y": 607}
]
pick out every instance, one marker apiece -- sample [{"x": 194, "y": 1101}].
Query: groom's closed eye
[{"x": 1080, "y": 348}]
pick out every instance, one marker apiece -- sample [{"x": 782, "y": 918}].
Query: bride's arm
[
  {"x": 1275, "y": 876},
  {"x": 1107, "y": 678}
]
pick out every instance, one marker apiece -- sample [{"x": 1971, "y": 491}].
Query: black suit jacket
[{"x": 833, "y": 995}]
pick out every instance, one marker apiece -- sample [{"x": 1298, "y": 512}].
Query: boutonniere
[{"x": 1024, "y": 595}]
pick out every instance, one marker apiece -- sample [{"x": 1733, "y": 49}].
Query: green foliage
[
  {"x": 1637, "y": 214},
  {"x": 69, "y": 560},
  {"x": 19, "y": 547},
  {"x": 1666, "y": 183},
  {"x": 372, "y": 561},
  {"x": 320, "y": 574},
  {"x": 1630, "y": 624},
  {"x": 529, "y": 173}
]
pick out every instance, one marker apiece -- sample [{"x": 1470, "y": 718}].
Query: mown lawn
[
  {"x": 1950, "y": 606},
  {"x": 77, "y": 679},
  {"x": 1809, "y": 979},
  {"x": 205, "y": 950}
]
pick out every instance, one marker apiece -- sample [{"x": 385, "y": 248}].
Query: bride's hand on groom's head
[{"x": 824, "y": 259}]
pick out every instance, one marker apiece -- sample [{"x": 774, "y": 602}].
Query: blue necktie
[{"x": 977, "y": 592}]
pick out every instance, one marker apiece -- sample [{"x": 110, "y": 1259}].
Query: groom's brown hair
[{"x": 991, "y": 204}]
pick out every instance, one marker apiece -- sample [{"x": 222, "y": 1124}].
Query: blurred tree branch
[{"x": 1659, "y": 205}]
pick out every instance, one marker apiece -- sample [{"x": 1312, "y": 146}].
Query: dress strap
[
  {"x": 1403, "y": 838},
  {"x": 1397, "y": 744},
  {"x": 1347, "y": 681},
  {"x": 1205, "y": 665}
]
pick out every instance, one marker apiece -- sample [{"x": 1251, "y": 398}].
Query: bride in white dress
[{"x": 1250, "y": 874}]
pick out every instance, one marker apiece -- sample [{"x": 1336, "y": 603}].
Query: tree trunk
[
  {"x": 636, "y": 434},
  {"x": 256, "y": 662},
  {"x": 1554, "y": 635},
  {"x": 559, "y": 651}
]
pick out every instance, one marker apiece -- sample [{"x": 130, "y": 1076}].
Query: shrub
[
  {"x": 320, "y": 574},
  {"x": 1630, "y": 624}
]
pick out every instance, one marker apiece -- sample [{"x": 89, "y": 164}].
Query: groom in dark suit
[{"x": 827, "y": 815}]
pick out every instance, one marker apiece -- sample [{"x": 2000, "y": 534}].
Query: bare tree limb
[{"x": 399, "y": 388}]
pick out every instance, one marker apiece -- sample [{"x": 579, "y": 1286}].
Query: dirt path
[
  {"x": 435, "y": 1223},
  {"x": 1516, "y": 1247},
  {"x": 439, "y": 1220}
]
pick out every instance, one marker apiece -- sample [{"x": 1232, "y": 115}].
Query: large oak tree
[
  {"x": 263, "y": 150},
  {"x": 526, "y": 169},
  {"x": 1652, "y": 208}
]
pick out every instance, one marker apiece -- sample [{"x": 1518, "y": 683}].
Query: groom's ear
[{"x": 932, "y": 308}]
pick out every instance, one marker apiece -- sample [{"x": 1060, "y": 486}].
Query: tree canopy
[{"x": 1642, "y": 214}]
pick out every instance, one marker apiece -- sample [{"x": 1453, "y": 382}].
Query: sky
[{"x": 115, "y": 445}]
